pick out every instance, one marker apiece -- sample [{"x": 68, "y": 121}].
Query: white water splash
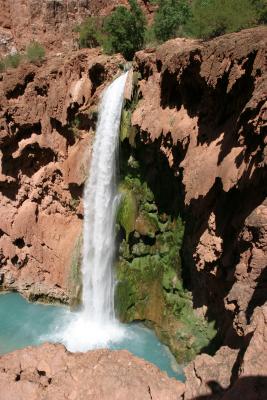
[{"x": 95, "y": 325}]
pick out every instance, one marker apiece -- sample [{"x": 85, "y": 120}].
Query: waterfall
[
  {"x": 95, "y": 325},
  {"x": 100, "y": 204}
]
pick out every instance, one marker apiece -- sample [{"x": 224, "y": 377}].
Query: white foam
[{"x": 82, "y": 334}]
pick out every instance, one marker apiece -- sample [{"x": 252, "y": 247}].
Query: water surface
[{"x": 25, "y": 324}]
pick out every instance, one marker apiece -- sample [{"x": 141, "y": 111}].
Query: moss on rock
[
  {"x": 75, "y": 278},
  {"x": 127, "y": 211},
  {"x": 126, "y": 129},
  {"x": 149, "y": 284},
  {"x": 149, "y": 272}
]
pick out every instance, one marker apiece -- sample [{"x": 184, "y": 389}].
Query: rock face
[
  {"x": 50, "y": 22},
  {"x": 202, "y": 107},
  {"x": 51, "y": 373},
  {"x": 231, "y": 373},
  {"x": 47, "y": 121}
]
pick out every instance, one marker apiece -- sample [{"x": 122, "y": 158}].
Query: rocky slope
[
  {"x": 51, "y": 373},
  {"x": 202, "y": 107},
  {"x": 50, "y": 22},
  {"x": 47, "y": 122}
]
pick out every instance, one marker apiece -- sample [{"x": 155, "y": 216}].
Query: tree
[
  {"x": 125, "y": 30},
  {"x": 211, "y": 18},
  {"x": 171, "y": 15}
]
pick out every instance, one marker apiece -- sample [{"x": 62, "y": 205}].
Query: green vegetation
[
  {"x": 125, "y": 30},
  {"x": 206, "y": 18},
  {"x": 127, "y": 211},
  {"x": 75, "y": 280},
  {"x": 261, "y": 7},
  {"x": 171, "y": 16},
  {"x": 74, "y": 128},
  {"x": 149, "y": 269},
  {"x": 90, "y": 32},
  {"x": 211, "y": 18},
  {"x": 13, "y": 60},
  {"x": 122, "y": 31},
  {"x": 35, "y": 52},
  {"x": 2, "y": 65}
]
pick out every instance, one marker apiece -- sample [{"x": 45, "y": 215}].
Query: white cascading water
[
  {"x": 100, "y": 200},
  {"x": 95, "y": 325}
]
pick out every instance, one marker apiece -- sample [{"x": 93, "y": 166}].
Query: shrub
[
  {"x": 13, "y": 60},
  {"x": 2, "y": 65},
  {"x": 125, "y": 30},
  {"x": 150, "y": 37},
  {"x": 170, "y": 17},
  {"x": 35, "y": 52},
  {"x": 212, "y": 18},
  {"x": 261, "y": 7},
  {"x": 90, "y": 32}
]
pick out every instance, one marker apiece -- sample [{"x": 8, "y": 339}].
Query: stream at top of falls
[{"x": 94, "y": 325}]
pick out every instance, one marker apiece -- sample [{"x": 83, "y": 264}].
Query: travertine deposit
[
  {"x": 51, "y": 373},
  {"x": 47, "y": 123},
  {"x": 203, "y": 108}
]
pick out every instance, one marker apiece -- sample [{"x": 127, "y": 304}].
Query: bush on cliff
[
  {"x": 13, "y": 60},
  {"x": 90, "y": 32},
  {"x": 170, "y": 18},
  {"x": 125, "y": 30},
  {"x": 35, "y": 52},
  {"x": 2, "y": 65},
  {"x": 211, "y": 18},
  {"x": 261, "y": 7},
  {"x": 10, "y": 61}
]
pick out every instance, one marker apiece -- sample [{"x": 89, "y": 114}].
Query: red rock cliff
[
  {"x": 47, "y": 120},
  {"x": 203, "y": 108},
  {"x": 50, "y": 22}
]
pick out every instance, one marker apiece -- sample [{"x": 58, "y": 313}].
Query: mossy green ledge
[{"x": 149, "y": 283}]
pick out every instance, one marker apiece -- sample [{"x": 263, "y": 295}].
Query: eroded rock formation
[
  {"x": 51, "y": 373},
  {"x": 50, "y": 22},
  {"x": 47, "y": 121},
  {"x": 203, "y": 108}
]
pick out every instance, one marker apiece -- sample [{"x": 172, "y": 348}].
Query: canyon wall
[
  {"x": 51, "y": 22},
  {"x": 202, "y": 110},
  {"x": 47, "y": 123}
]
